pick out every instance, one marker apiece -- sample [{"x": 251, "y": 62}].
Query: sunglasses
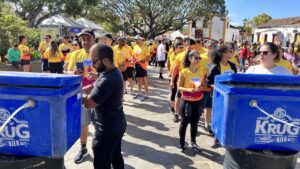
[
  {"x": 263, "y": 52},
  {"x": 197, "y": 58},
  {"x": 75, "y": 44}
]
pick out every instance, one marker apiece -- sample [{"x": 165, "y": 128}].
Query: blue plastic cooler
[
  {"x": 49, "y": 128},
  {"x": 257, "y": 111}
]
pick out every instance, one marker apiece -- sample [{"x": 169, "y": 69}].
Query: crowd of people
[{"x": 107, "y": 63}]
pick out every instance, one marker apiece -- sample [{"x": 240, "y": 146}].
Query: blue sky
[{"x": 240, "y": 9}]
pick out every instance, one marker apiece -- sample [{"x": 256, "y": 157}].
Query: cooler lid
[
  {"x": 38, "y": 79},
  {"x": 258, "y": 78}
]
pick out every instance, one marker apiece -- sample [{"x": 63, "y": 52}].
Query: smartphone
[{"x": 79, "y": 66}]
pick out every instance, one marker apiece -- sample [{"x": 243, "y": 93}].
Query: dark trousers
[
  {"x": 107, "y": 151},
  {"x": 190, "y": 112}
]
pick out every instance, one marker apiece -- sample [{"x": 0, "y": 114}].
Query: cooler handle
[
  {"x": 253, "y": 103},
  {"x": 29, "y": 103}
]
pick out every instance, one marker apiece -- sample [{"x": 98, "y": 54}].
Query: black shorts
[
  {"x": 45, "y": 65},
  {"x": 16, "y": 64},
  {"x": 207, "y": 100},
  {"x": 174, "y": 90},
  {"x": 139, "y": 71},
  {"x": 55, "y": 67},
  {"x": 161, "y": 64},
  {"x": 25, "y": 62},
  {"x": 125, "y": 76},
  {"x": 130, "y": 71}
]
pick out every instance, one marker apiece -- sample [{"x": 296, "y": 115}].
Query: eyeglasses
[
  {"x": 197, "y": 58},
  {"x": 75, "y": 44},
  {"x": 263, "y": 52},
  {"x": 46, "y": 38}
]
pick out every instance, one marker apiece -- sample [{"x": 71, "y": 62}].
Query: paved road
[{"x": 151, "y": 137}]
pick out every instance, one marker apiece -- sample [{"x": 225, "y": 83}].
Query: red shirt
[{"x": 244, "y": 53}]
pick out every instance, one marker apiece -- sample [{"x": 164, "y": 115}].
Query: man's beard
[{"x": 101, "y": 68}]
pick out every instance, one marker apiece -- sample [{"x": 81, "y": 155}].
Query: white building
[
  {"x": 216, "y": 28},
  {"x": 284, "y": 31}
]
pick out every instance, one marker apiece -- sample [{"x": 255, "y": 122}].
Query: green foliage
[
  {"x": 35, "y": 11},
  {"x": 151, "y": 18},
  {"x": 11, "y": 26},
  {"x": 261, "y": 19}
]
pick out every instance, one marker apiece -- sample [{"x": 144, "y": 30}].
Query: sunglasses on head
[{"x": 263, "y": 52}]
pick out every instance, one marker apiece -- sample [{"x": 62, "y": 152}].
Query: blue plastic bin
[
  {"x": 257, "y": 111},
  {"x": 49, "y": 128}
]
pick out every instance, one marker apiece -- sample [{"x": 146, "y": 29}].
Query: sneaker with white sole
[
  {"x": 80, "y": 156},
  {"x": 136, "y": 96},
  {"x": 144, "y": 98}
]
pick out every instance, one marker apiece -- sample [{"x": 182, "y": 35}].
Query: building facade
[
  {"x": 216, "y": 28},
  {"x": 281, "y": 31}
]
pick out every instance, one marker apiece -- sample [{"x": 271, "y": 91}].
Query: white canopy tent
[
  {"x": 89, "y": 24},
  {"x": 176, "y": 34}
]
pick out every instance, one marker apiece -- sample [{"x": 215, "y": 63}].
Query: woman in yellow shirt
[
  {"x": 190, "y": 80},
  {"x": 25, "y": 53},
  {"x": 221, "y": 64},
  {"x": 55, "y": 57}
]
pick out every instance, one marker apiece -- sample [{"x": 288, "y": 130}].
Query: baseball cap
[
  {"x": 108, "y": 36},
  {"x": 138, "y": 37},
  {"x": 179, "y": 45},
  {"x": 209, "y": 43},
  {"x": 87, "y": 32}
]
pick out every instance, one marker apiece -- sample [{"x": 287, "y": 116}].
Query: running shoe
[{"x": 80, "y": 156}]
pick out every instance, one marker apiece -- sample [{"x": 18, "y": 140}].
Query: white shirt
[
  {"x": 277, "y": 70},
  {"x": 160, "y": 54}
]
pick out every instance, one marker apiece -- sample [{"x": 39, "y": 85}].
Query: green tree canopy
[
  {"x": 35, "y": 11},
  {"x": 11, "y": 26},
  {"x": 151, "y": 18},
  {"x": 261, "y": 19}
]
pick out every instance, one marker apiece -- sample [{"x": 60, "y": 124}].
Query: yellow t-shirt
[
  {"x": 204, "y": 64},
  {"x": 226, "y": 69},
  {"x": 80, "y": 56},
  {"x": 141, "y": 53},
  {"x": 64, "y": 47},
  {"x": 191, "y": 80},
  {"x": 179, "y": 60},
  {"x": 233, "y": 60},
  {"x": 43, "y": 47},
  {"x": 122, "y": 55},
  {"x": 24, "y": 49},
  {"x": 171, "y": 57},
  {"x": 56, "y": 58},
  {"x": 286, "y": 64}
]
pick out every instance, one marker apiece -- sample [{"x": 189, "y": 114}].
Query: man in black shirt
[{"x": 109, "y": 120}]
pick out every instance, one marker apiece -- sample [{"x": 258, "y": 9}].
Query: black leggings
[{"x": 190, "y": 112}]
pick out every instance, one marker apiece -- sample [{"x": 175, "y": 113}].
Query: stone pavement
[{"x": 151, "y": 138}]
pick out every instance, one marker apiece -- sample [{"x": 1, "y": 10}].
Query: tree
[
  {"x": 151, "y": 18},
  {"x": 35, "y": 11},
  {"x": 261, "y": 19},
  {"x": 11, "y": 26}
]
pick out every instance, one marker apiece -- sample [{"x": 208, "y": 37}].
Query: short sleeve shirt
[{"x": 109, "y": 116}]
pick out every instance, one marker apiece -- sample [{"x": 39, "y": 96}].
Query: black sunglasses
[{"x": 197, "y": 58}]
